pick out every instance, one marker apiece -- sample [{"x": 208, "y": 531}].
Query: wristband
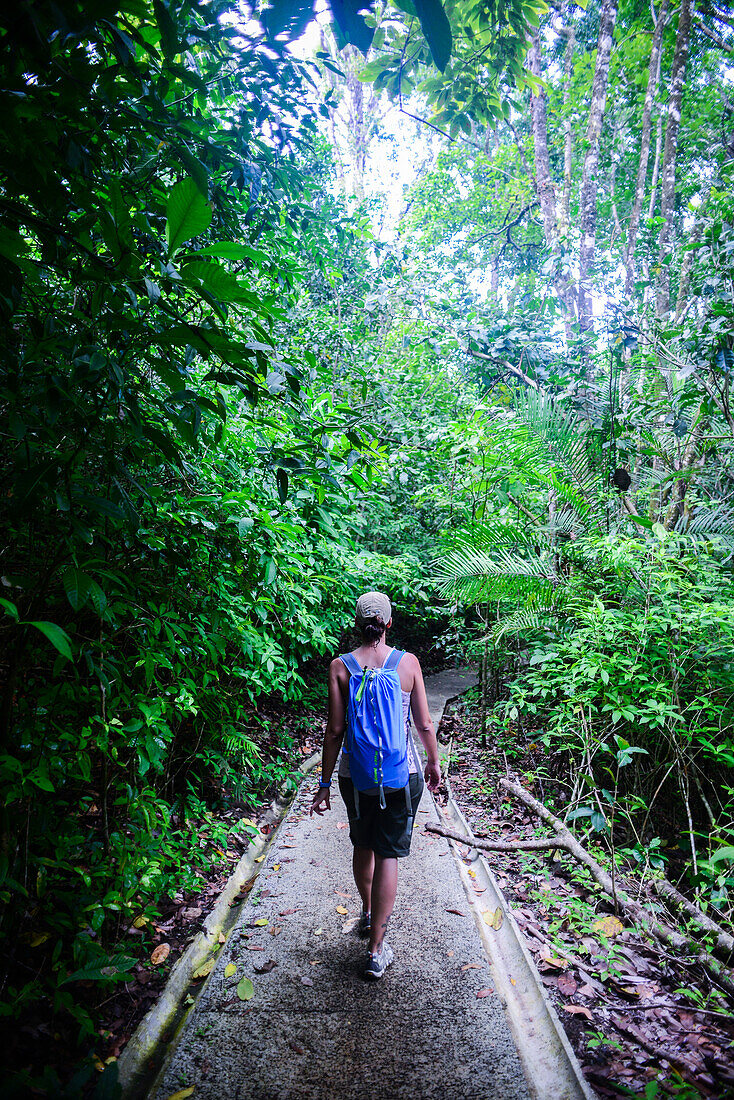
[{"x": 323, "y": 784}]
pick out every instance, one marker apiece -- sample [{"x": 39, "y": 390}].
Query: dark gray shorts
[{"x": 387, "y": 832}]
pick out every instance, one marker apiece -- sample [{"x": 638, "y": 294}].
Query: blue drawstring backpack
[{"x": 376, "y": 739}]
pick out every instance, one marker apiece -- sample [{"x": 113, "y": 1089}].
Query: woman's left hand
[{"x": 321, "y": 802}]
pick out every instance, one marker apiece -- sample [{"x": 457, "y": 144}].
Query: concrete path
[{"x": 314, "y": 1027}]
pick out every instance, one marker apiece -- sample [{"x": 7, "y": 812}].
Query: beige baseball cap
[{"x": 373, "y": 605}]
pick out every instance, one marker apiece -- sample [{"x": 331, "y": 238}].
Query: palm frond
[
  {"x": 530, "y": 620},
  {"x": 474, "y": 576},
  {"x": 717, "y": 518}
]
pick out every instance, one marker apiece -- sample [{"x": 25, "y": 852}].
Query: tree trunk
[
  {"x": 667, "y": 193},
  {"x": 653, "y": 78},
  {"x": 567, "y": 135},
  {"x": 589, "y": 181},
  {"x": 543, "y": 179},
  {"x": 543, "y": 182}
]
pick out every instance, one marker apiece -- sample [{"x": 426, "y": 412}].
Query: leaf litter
[{"x": 621, "y": 999}]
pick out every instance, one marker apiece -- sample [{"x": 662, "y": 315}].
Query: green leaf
[
  {"x": 245, "y": 990},
  {"x": 56, "y": 636},
  {"x": 188, "y": 214},
  {"x": 352, "y": 25},
  {"x": 77, "y": 586},
  {"x": 722, "y": 853},
  {"x": 289, "y": 17},
  {"x": 169, "y": 35},
  {"x": 10, "y": 609},
  {"x": 437, "y": 30}
]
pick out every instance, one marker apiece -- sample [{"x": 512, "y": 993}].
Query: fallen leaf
[
  {"x": 160, "y": 953},
  {"x": 457, "y": 911},
  {"x": 141, "y": 921},
  {"x": 182, "y": 1094},
  {"x": 245, "y": 990},
  {"x": 205, "y": 969},
  {"x": 350, "y": 925},
  {"x": 266, "y": 967},
  {"x": 473, "y": 966},
  {"x": 259, "y": 859},
  {"x": 578, "y": 1010},
  {"x": 586, "y": 991},
  {"x": 261, "y": 922},
  {"x": 484, "y": 993},
  {"x": 38, "y": 938},
  {"x": 341, "y": 894},
  {"x": 275, "y": 930},
  {"x": 230, "y": 969},
  {"x": 276, "y": 867},
  {"x": 342, "y": 825},
  {"x": 472, "y": 874},
  {"x": 318, "y": 931},
  {"x": 295, "y": 1047},
  {"x": 287, "y": 912},
  {"x": 306, "y": 981},
  {"x": 222, "y": 938},
  {"x": 450, "y": 954},
  {"x": 342, "y": 909},
  {"x": 497, "y": 919},
  {"x": 608, "y": 926},
  {"x": 566, "y": 985},
  {"x": 254, "y": 947}
]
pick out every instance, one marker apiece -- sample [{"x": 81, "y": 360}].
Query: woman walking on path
[{"x": 380, "y": 820}]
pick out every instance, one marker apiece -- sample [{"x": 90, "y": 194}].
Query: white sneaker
[{"x": 378, "y": 962}]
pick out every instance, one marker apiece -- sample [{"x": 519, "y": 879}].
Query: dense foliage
[{"x": 225, "y": 408}]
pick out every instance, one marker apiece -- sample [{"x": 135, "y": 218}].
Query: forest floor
[{"x": 641, "y": 1021}]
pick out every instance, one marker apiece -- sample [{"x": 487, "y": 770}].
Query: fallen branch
[
  {"x": 634, "y": 911},
  {"x": 666, "y": 890},
  {"x": 535, "y": 845},
  {"x": 660, "y": 1054}
]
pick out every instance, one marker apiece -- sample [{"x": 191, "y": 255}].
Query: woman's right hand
[
  {"x": 432, "y": 776},
  {"x": 321, "y": 801}
]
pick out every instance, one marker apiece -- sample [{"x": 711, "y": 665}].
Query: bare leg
[
  {"x": 363, "y": 868},
  {"x": 384, "y": 889}
]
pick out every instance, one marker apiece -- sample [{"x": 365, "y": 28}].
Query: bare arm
[
  {"x": 338, "y": 678},
  {"x": 423, "y": 724}
]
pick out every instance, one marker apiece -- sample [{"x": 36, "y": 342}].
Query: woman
[{"x": 380, "y": 835}]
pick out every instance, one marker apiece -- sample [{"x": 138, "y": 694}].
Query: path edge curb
[
  {"x": 575, "y": 1086},
  {"x": 134, "y": 1066}
]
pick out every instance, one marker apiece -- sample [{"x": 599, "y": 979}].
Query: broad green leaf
[
  {"x": 230, "y": 969},
  {"x": 289, "y": 17},
  {"x": 723, "y": 853},
  {"x": 169, "y": 35},
  {"x": 188, "y": 214},
  {"x": 10, "y": 609},
  {"x": 77, "y": 586},
  {"x": 351, "y": 23},
  {"x": 56, "y": 636},
  {"x": 437, "y": 30},
  {"x": 245, "y": 990}
]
